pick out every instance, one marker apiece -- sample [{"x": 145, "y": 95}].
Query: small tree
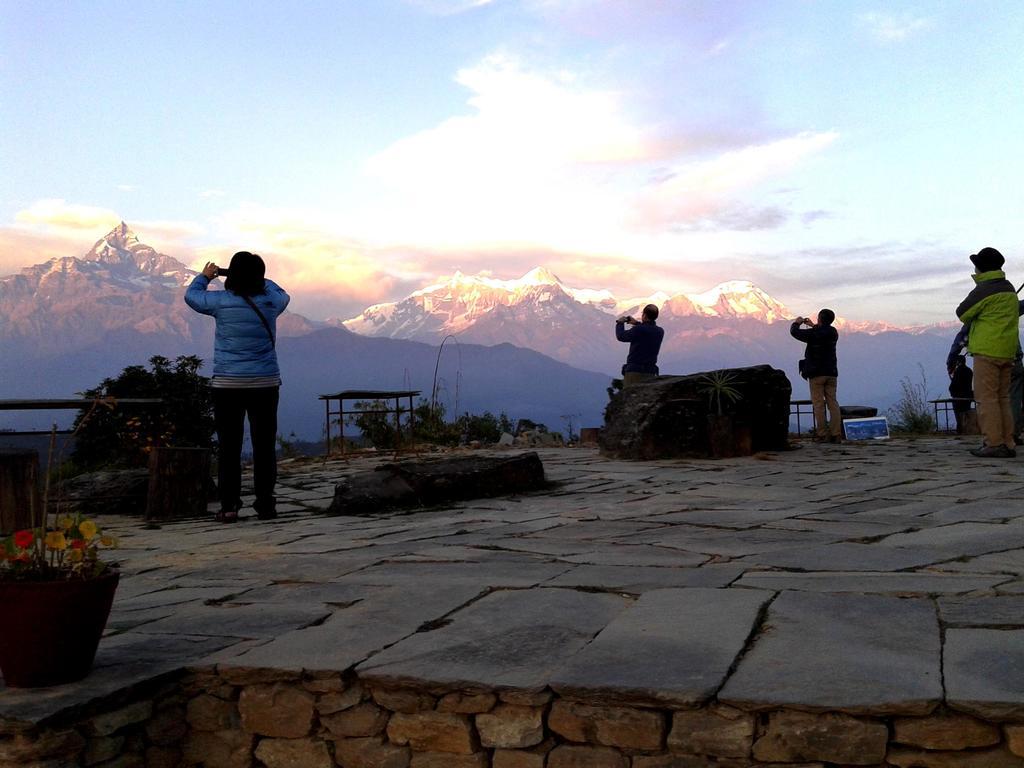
[
  {"x": 123, "y": 437},
  {"x": 485, "y": 427},
  {"x": 912, "y": 414},
  {"x": 377, "y": 423}
]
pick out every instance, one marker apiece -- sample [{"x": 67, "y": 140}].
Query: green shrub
[
  {"x": 912, "y": 414},
  {"x": 124, "y": 436},
  {"x": 376, "y": 421}
]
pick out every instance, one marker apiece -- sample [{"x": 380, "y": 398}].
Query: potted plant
[
  {"x": 726, "y": 438},
  {"x": 56, "y": 592}
]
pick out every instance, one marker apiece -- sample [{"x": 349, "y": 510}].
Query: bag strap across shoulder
[{"x": 263, "y": 319}]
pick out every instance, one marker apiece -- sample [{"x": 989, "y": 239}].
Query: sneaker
[
  {"x": 993, "y": 452},
  {"x": 835, "y": 439}
]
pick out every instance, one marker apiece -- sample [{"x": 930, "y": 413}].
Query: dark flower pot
[{"x": 51, "y": 629}]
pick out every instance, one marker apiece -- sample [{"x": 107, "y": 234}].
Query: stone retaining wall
[{"x": 236, "y": 718}]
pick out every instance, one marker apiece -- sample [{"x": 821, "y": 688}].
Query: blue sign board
[{"x": 874, "y": 428}]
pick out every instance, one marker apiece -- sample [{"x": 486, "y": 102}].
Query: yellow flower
[
  {"x": 88, "y": 529},
  {"x": 56, "y": 540},
  {"x": 75, "y": 556},
  {"x": 66, "y": 523},
  {"x": 108, "y": 541}
]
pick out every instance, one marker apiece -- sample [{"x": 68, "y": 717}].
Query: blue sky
[{"x": 848, "y": 154}]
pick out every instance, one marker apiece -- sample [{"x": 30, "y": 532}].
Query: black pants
[{"x": 230, "y": 407}]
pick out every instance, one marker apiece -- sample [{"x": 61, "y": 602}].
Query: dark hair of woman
[{"x": 246, "y": 274}]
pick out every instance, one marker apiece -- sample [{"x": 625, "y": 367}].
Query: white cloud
[
  {"x": 535, "y": 160},
  {"x": 55, "y": 228},
  {"x": 892, "y": 28},
  {"x": 541, "y": 160},
  {"x": 207, "y": 194},
  {"x": 59, "y": 215},
  {"x": 695, "y": 191},
  {"x": 308, "y": 247}
]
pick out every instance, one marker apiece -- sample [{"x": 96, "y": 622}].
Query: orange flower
[
  {"x": 56, "y": 540},
  {"x": 24, "y": 539},
  {"x": 75, "y": 556}
]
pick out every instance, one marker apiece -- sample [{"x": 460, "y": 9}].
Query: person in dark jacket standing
[
  {"x": 246, "y": 377},
  {"x": 644, "y": 339},
  {"x": 992, "y": 310},
  {"x": 821, "y": 370}
]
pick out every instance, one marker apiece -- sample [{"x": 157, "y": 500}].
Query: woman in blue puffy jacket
[{"x": 246, "y": 378}]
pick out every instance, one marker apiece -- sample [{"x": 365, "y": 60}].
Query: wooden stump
[
  {"x": 19, "y": 489},
  {"x": 178, "y": 479}
]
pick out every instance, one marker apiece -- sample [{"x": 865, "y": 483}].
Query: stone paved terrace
[{"x": 881, "y": 583}]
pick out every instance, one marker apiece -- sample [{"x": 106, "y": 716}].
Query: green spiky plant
[{"x": 720, "y": 387}]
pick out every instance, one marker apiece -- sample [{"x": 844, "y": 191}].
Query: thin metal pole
[{"x": 327, "y": 418}]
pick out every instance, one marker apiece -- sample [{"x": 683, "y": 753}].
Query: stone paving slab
[
  {"x": 984, "y": 672},
  {"x": 241, "y": 621},
  {"x": 917, "y": 584},
  {"x": 673, "y": 645},
  {"x": 860, "y": 654},
  {"x": 960, "y": 539},
  {"x": 846, "y": 556},
  {"x": 638, "y": 579},
  {"x": 1005, "y": 611},
  {"x": 355, "y": 633},
  {"x": 513, "y": 639},
  {"x": 411, "y": 595}
]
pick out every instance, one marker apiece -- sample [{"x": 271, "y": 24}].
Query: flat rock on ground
[{"x": 859, "y": 577}]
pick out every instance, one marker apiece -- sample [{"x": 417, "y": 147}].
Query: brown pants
[
  {"x": 823, "y": 392},
  {"x": 992, "y": 391}
]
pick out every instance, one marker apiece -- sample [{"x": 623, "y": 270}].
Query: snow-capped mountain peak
[
  {"x": 539, "y": 276},
  {"x": 460, "y": 302},
  {"x": 740, "y": 298}
]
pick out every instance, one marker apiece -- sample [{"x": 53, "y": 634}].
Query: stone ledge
[{"x": 229, "y": 718}]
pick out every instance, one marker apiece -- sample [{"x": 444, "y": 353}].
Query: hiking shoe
[{"x": 993, "y": 452}]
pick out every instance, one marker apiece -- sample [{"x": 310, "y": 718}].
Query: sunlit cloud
[
  {"x": 60, "y": 216},
  {"x": 696, "y": 191},
  {"x": 893, "y": 28},
  {"x": 332, "y": 272},
  {"x": 55, "y": 228},
  {"x": 543, "y": 160}
]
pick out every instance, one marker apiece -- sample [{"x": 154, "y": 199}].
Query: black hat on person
[{"x": 988, "y": 259}]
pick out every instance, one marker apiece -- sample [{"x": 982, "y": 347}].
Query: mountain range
[
  {"x": 533, "y": 347},
  {"x": 70, "y": 322},
  {"x": 734, "y": 323}
]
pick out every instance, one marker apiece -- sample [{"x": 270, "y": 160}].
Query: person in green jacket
[{"x": 992, "y": 311}]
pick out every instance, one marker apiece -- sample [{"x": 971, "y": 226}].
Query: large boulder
[
  {"x": 429, "y": 482},
  {"x": 668, "y": 416},
  {"x": 110, "y": 492}
]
